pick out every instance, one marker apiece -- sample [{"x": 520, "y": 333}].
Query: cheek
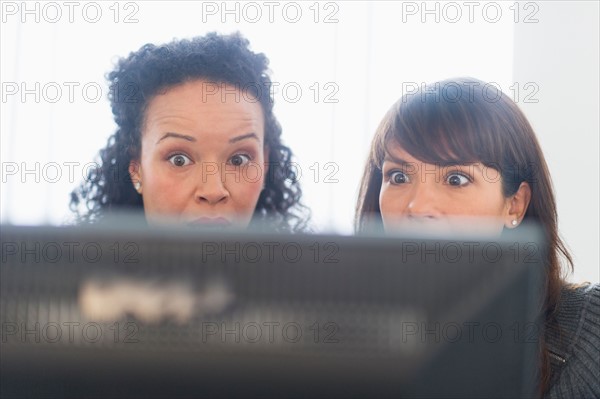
[
  {"x": 164, "y": 195},
  {"x": 253, "y": 174},
  {"x": 247, "y": 189},
  {"x": 488, "y": 201},
  {"x": 391, "y": 205},
  {"x": 244, "y": 186},
  {"x": 486, "y": 209},
  {"x": 161, "y": 191}
]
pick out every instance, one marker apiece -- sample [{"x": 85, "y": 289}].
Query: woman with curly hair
[
  {"x": 457, "y": 149},
  {"x": 196, "y": 141}
]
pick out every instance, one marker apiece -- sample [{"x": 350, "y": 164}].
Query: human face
[
  {"x": 203, "y": 158},
  {"x": 423, "y": 195}
]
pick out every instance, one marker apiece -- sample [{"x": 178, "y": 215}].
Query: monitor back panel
[{"x": 133, "y": 312}]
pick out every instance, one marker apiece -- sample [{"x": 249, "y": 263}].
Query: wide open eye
[
  {"x": 457, "y": 179},
  {"x": 398, "y": 177},
  {"x": 239, "y": 159},
  {"x": 180, "y": 160}
]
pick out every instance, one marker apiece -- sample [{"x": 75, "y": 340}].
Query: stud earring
[
  {"x": 514, "y": 222},
  {"x": 137, "y": 186}
]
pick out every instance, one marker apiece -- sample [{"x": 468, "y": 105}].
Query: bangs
[
  {"x": 442, "y": 132},
  {"x": 455, "y": 122}
]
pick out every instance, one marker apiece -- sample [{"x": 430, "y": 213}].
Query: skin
[
  {"x": 203, "y": 160},
  {"x": 418, "y": 194}
]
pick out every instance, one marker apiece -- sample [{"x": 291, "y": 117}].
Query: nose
[
  {"x": 211, "y": 188},
  {"x": 423, "y": 203}
]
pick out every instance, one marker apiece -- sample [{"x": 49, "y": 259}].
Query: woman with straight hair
[{"x": 461, "y": 148}]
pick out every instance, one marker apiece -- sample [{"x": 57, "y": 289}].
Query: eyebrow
[
  {"x": 177, "y": 136},
  {"x": 193, "y": 139},
  {"x": 244, "y": 137}
]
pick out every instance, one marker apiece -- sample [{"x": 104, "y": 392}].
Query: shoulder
[{"x": 574, "y": 343}]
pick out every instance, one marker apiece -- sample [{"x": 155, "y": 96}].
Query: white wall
[
  {"x": 368, "y": 50},
  {"x": 560, "y": 55},
  {"x": 364, "y": 49}
]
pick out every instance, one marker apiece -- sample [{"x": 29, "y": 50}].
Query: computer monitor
[{"x": 130, "y": 311}]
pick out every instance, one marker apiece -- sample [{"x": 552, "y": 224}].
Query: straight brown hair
[{"x": 462, "y": 121}]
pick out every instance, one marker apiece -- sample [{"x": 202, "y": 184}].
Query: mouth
[{"x": 208, "y": 222}]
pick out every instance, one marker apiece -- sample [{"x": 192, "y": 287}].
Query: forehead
[{"x": 206, "y": 107}]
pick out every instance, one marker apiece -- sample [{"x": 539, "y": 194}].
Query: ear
[
  {"x": 135, "y": 173},
  {"x": 265, "y": 164},
  {"x": 518, "y": 205}
]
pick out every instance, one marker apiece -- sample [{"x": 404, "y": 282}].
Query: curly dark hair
[{"x": 223, "y": 59}]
